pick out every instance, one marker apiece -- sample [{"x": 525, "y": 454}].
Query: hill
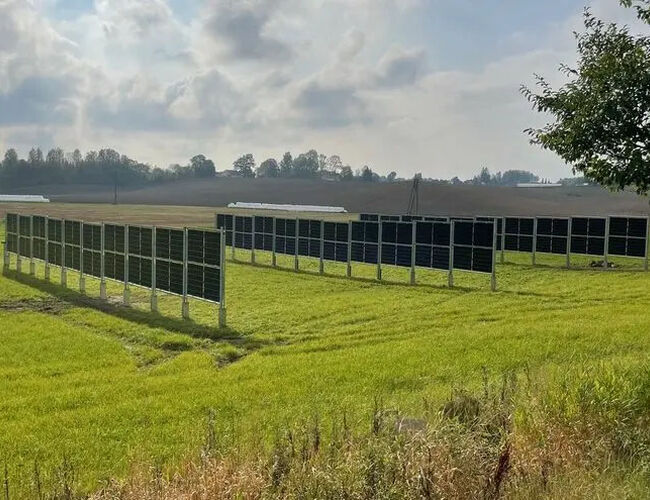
[{"x": 364, "y": 197}]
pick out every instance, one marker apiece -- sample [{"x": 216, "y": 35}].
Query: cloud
[
  {"x": 239, "y": 30},
  {"x": 400, "y": 67},
  {"x": 324, "y": 106}
]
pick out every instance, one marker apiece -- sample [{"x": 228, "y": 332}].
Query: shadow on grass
[
  {"x": 373, "y": 281},
  {"x": 151, "y": 319}
]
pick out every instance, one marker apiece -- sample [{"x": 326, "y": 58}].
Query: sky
[{"x": 428, "y": 86}]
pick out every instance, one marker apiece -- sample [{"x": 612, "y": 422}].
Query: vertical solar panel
[
  {"x": 335, "y": 241},
  {"x": 474, "y": 246},
  {"x": 243, "y": 232},
  {"x": 226, "y": 222},
  {"x": 519, "y": 234},
  {"x": 12, "y": 232},
  {"x": 286, "y": 233},
  {"x": 309, "y": 236},
  {"x": 203, "y": 269},
  {"x": 628, "y": 236},
  {"x": 263, "y": 233},
  {"x": 92, "y": 249},
  {"x": 433, "y": 244},
  {"x": 169, "y": 260},
  {"x": 365, "y": 242},
  {"x": 114, "y": 251},
  {"x": 552, "y": 235},
  {"x": 396, "y": 243},
  {"x": 588, "y": 235}
]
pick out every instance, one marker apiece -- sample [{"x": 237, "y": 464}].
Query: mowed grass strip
[{"x": 101, "y": 387}]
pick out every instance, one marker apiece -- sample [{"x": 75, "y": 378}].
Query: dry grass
[{"x": 504, "y": 443}]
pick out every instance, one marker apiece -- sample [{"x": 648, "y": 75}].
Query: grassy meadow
[{"x": 87, "y": 389}]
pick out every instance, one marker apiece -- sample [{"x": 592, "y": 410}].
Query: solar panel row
[{"x": 119, "y": 252}]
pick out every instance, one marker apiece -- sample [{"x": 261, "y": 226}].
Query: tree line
[{"x": 109, "y": 167}]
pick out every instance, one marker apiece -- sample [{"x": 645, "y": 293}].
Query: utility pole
[{"x": 414, "y": 199}]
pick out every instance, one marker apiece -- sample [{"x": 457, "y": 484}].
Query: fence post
[
  {"x": 379, "y": 252},
  {"x": 102, "y": 264},
  {"x": 568, "y": 243},
  {"x": 534, "y": 258},
  {"x": 253, "y": 240},
  {"x": 127, "y": 290},
  {"x": 232, "y": 243},
  {"x": 46, "y": 250},
  {"x": 348, "y": 271},
  {"x": 82, "y": 279},
  {"x": 413, "y": 239},
  {"x": 185, "y": 307},
  {"x": 154, "y": 295},
  {"x": 647, "y": 230},
  {"x": 32, "y": 264},
  {"x": 321, "y": 244},
  {"x": 606, "y": 249},
  {"x": 64, "y": 271},
  {"x": 222, "y": 281},
  {"x": 6, "y": 259},
  {"x": 503, "y": 239},
  {"x": 274, "y": 259},
  {"x": 450, "y": 275},
  {"x": 19, "y": 264},
  {"x": 296, "y": 260},
  {"x": 493, "y": 277}
]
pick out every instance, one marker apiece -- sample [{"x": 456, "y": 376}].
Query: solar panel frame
[
  {"x": 628, "y": 236},
  {"x": 588, "y": 236},
  {"x": 473, "y": 246}
]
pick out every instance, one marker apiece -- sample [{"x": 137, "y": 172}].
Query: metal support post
[
  {"x": 493, "y": 277},
  {"x": 606, "y": 244},
  {"x": 503, "y": 239},
  {"x": 274, "y": 259},
  {"x": 253, "y": 240},
  {"x": 82, "y": 279},
  {"x": 321, "y": 244},
  {"x": 185, "y": 309},
  {"x": 127, "y": 289},
  {"x": 413, "y": 247},
  {"x": 64, "y": 271},
  {"x": 296, "y": 260},
  {"x": 568, "y": 244},
  {"x": 32, "y": 264},
  {"x": 534, "y": 258},
  {"x": 450, "y": 275},
  {"x": 102, "y": 265},
  {"x": 154, "y": 295},
  {"x": 19, "y": 264},
  {"x": 379, "y": 252},
  {"x": 645, "y": 261},
  {"x": 348, "y": 271},
  {"x": 222, "y": 283},
  {"x": 46, "y": 250}
]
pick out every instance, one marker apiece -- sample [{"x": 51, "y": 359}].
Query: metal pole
[
  {"x": 186, "y": 305},
  {"x": 503, "y": 239},
  {"x": 102, "y": 265},
  {"x": 606, "y": 249},
  {"x": 379, "y": 252},
  {"x": 296, "y": 260},
  {"x": 5, "y": 248},
  {"x": 413, "y": 239},
  {"x": 274, "y": 260},
  {"x": 534, "y": 240},
  {"x": 647, "y": 225},
  {"x": 222, "y": 282},
  {"x": 154, "y": 296},
  {"x": 253, "y": 240},
  {"x": 64, "y": 271},
  {"x": 19, "y": 263},
  {"x": 232, "y": 243},
  {"x": 127, "y": 290},
  {"x": 450, "y": 275},
  {"x": 493, "y": 277},
  {"x": 321, "y": 263},
  {"x": 32, "y": 264},
  {"x": 46, "y": 250},
  {"x": 568, "y": 244},
  {"x": 348, "y": 271},
  {"x": 82, "y": 280}
]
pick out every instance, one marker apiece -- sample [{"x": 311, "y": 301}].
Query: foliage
[
  {"x": 507, "y": 178},
  {"x": 268, "y": 168},
  {"x": 245, "y": 165},
  {"x": 601, "y": 117}
]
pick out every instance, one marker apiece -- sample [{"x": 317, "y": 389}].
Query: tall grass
[{"x": 584, "y": 434}]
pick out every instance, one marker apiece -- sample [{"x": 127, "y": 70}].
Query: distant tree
[
  {"x": 11, "y": 159},
  {"x": 366, "y": 174},
  {"x": 322, "y": 163},
  {"x": 76, "y": 157},
  {"x": 334, "y": 164},
  {"x": 391, "y": 177},
  {"x": 306, "y": 165},
  {"x": 55, "y": 157},
  {"x": 35, "y": 157},
  {"x": 346, "y": 173},
  {"x": 245, "y": 165},
  {"x": 268, "y": 168},
  {"x": 514, "y": 177},
  {"x": 456, "y": 181},
  {"x": 601, "y": 117},
  {"x": 202, "y": 167},
  {"x": 286, "y": 165}
]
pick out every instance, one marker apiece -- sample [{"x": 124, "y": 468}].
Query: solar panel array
[
  {"x": 411, "y": 242},
  {"x": 186, "y": 262}
]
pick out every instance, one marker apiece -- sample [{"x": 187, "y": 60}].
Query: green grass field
[{"x": 100, "y": 387}]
